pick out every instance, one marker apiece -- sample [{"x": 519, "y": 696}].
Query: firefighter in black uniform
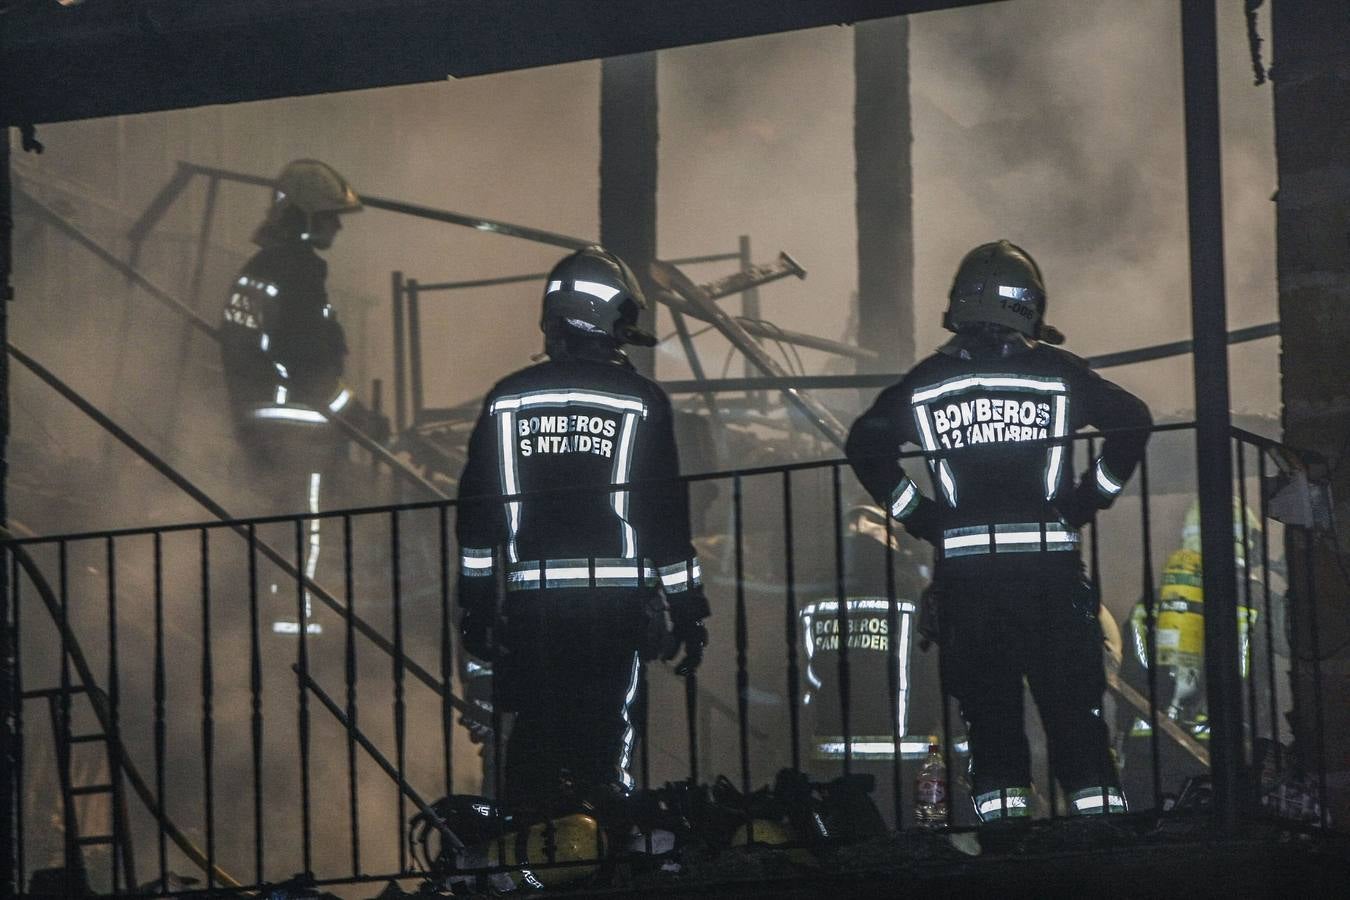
[
  {"x": 875, "y": 715},
  {"x": 283, "y": 349},
  {"x": 584, "y": 567},
  {"x": 994, "y": 411}
]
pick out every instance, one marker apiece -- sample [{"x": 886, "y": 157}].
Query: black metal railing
[{"x": 154, "y": 644}]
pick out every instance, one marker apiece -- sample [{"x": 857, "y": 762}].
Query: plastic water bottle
[{"x": 930, "y": 790}]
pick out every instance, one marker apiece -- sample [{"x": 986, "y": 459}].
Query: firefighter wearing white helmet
[
  {"x": 283, "y": 348},
  {"x": 994, "y": 411},
  {"x": 590, "y": 571}
]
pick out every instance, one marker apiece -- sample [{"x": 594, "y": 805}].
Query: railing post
[
  {"x": 350, "y": 678},
  {"x": 1213, "y": 420},
  {"x": 8, "y": 670}
]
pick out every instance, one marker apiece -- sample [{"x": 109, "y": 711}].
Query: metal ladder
[{"x": 118, "y": 835}]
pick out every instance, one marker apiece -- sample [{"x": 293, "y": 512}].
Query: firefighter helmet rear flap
[
  {"x": 594, "y": 292},
  {"x": 1000, "y": 284}
]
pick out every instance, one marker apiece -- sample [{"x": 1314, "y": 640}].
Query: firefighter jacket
[
  {"x": 282, "y": 345},
  {"x": 572, "y": 428},
  {"x": 987, "y": 415}
]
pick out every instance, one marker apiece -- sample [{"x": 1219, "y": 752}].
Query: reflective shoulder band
[
  {"x": 475, "y": 561},
  {"x": 621, "y": 402},
  {"x": 676, "y": 577},
  {"x": 904, "y": 499},
  {"x": 1028, "y": 383},
  {"x": 1107, "y": 484}
]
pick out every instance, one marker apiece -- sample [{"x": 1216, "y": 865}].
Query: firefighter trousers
[
  {"x": 1005, "y": 621},
  {"x": 572, "y": 676}
]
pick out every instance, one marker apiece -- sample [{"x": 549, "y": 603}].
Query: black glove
[
  {"x": 474, "y": 624},
  {"x": 693, "y": 637},
  {"x": 1081, "y": 505},
  {"x": 923, "y": 524}
]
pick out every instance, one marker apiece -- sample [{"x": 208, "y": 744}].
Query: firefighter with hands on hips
[
  {"x": 283, "y": 349},
  {"x": 590, "y": 573},
  {"x": 994, "y": 411}
]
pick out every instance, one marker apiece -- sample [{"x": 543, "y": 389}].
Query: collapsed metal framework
[{"x": 680, "y": 294}]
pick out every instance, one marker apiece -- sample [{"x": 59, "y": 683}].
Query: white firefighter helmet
[
  {"x": 313, "y": 187},
  {"x": 1000, "y": 284},
  {"x": 592, "y": 292}
]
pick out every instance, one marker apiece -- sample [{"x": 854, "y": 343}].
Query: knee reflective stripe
[
  {"x": 1107, "y": 484},
  {"x": 677, "y": 577},
  {"x": 1007, "y": 803},
  {"x": 475, "y": 562},
  {"x": 629, "y": 732},
  {"x": 1095, "y": 800},
  {"x": 904, "y": 499}
]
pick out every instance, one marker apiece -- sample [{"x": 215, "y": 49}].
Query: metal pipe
[
  {"x": 400, "y": 368},
  {"x": 415, "y": 210},
  {"x": 1204, "y": 193},
  {"x": 540, "y": 276},
  {"x": 410, "y": 288}
]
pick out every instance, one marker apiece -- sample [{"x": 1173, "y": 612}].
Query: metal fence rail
[{"x": 274, "y": 753}]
